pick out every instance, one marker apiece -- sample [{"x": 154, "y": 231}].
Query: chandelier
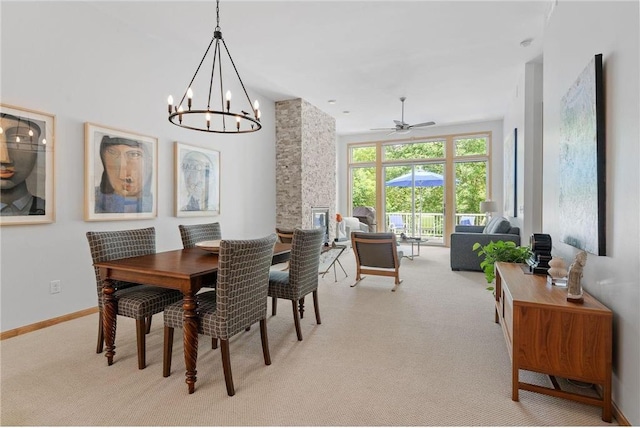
[{"x": 211, "y": 119}]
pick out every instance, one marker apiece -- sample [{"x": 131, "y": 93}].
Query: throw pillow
[
  {"x": 503, "y": 226},
  {"x": 491, "y": 225}
]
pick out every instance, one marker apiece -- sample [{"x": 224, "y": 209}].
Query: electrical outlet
[{"x": 55, "y": 287}]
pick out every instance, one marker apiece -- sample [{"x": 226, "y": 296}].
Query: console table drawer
[{"x": 565, "y": 344}]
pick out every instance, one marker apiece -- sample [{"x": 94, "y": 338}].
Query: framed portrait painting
[
  {"x": 26, "y": 166},
  {"x": 121, "y": 174},
  {"x": 197, "y": 173}
]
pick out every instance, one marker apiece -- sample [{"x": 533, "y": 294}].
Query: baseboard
[
  {"x": 622, "y": 421},
  {"x": 46, "y": 323}
]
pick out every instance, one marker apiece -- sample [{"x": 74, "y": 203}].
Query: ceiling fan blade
[
  {"x": 382, "y": 129},
  {"x": 399, "y": 123},
  {"x": 417, "y": 125}
]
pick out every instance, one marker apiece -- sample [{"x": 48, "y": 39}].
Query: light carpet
[{"x": 428, "y": 354}]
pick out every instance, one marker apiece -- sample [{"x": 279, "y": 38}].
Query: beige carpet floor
[{"x": 426, "y": 355}]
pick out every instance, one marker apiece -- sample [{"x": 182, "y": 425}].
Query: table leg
[
  {"x": 190, "y": 336},
  {"x": 109, "y": 315},
  {"x": 301, "y": 307}
]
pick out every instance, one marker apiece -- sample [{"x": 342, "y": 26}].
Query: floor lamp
[{"x": 488, "y": 207}]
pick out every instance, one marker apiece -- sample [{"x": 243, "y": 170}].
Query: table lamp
[{"x": 488, "y": 207}]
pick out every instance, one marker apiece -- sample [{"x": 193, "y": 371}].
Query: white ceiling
[{"x": 455, "y": 61}]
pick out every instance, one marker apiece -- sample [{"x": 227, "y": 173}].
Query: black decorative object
[{"x": 540, "y": 244}]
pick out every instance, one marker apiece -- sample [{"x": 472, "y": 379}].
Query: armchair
[
  {"x": 376, "y": 254},
  {"x": 462, "y": 255}
]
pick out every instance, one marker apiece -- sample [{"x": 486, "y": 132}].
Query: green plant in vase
[{"x": 500, "y": 251}]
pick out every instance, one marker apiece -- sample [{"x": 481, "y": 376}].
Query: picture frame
[
  {"x": 197, "y": 181},
  {"x": 121, "y": 174},
  {"x": 582, "y": 197},
  {"x": 27, "y": 193},
  {"x": 511, "y": 174}
]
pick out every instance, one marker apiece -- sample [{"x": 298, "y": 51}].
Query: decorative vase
[{"x": 558, "y": 268}]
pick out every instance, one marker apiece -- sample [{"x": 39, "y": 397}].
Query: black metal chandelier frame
[{"x": 245, "y": 122}]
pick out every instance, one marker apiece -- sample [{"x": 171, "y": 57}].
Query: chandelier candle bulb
[
  {"x": 180, "y": 110},
  {"x": 208, "y": 117},
  {"x": 170, "y": 102},
  {"x": 189, "y": 98},
  {"x": 238, "y": 123},
  {"x": 228, "y": 97}
]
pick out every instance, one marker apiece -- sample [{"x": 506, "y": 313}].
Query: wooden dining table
[{"x": 187, "y": 270}]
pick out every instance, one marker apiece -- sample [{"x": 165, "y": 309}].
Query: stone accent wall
[{"x": 305, "y": 163}]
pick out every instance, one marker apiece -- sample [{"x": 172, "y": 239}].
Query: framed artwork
[
  {"x": 27, "y": 141},
  {"x": 197, "y": 178},
  {"x": 511, "y": 174},
  {"x": 121, "y": 174},
  {"x": 582, "y": 162}
]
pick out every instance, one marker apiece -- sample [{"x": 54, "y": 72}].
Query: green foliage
[
  {"x": 501, "y": 251},
  {"x": 471, "y": 176}
]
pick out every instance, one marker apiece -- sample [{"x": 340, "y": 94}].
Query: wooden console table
[{"x": 547, "y": 334}]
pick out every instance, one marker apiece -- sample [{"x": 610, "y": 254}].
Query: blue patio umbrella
[
  {"x": 422, "y": 179},
  {"x": 419, "y": 178}
]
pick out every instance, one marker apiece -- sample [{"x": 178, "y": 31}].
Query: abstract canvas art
[
  {"x": 582, "y": 162},
  {"x": 511, "y": 174}
]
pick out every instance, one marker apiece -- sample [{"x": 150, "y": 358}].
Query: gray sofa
[{"x": 462, "y": 255}]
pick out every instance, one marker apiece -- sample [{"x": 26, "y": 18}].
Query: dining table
[{"x": 187, "y": 270}]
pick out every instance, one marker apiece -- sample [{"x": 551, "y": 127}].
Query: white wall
[
  {"x": 575, "y": 33},
  {"x": 524, "y": 113},
  {"x": 66, "y": 59},
  {"x": 495, "y": 127}
]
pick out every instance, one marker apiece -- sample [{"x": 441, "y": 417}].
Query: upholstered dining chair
[
  {"x": 285, "y": 236},
  {"x": 194, "y": 233},
  {"x": 376, "y": 254},
  {"x": 302, "y": 277},
  {"x": 239, "y": 300},
  {"x": 136, "y": 301}
]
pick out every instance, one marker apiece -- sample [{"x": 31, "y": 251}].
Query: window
[{"x": 461, "y": 161}]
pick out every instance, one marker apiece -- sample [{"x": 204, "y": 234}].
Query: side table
[
  {"x": 415, "y": 243},
  {"x": 328, "y": 259}
]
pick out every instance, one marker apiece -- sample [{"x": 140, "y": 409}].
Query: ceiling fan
[{"x": 401, "y": 126}]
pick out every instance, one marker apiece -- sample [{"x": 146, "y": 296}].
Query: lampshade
[{"x": 488, "y": 206}]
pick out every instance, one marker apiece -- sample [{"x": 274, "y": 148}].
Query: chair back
[
  {"x": 305, "y": 260},
  {"x": 243, "y": 283},
  {"x": 105, "y": 246},
  {"x": 285, "y": 235},
  {"x": 375, "y": 249},
  {"x": 395, "y": 222},
  {"x": 193, "y": 233}
]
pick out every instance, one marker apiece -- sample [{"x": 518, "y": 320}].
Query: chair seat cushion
[
  {"x": 174, "y": 313},
  {"x": 141, "y": 301}
]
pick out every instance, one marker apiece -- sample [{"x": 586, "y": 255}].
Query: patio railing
[{"x": 428, "y": 225}]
